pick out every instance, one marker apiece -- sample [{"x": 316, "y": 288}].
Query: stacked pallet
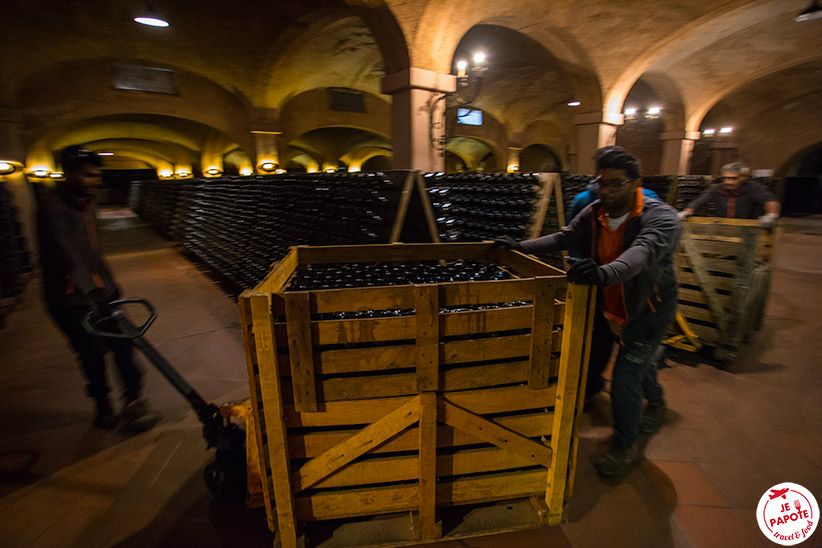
[{"x": 411, "y": 400}]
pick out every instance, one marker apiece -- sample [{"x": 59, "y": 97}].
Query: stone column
[
  {"x": 267, "y": 148},
  {"x": 677, "y": 148},
  {"x": 414, "y": 108},
  {"x": 594, "y": 130},
  {"x": 11, "y": 147}
]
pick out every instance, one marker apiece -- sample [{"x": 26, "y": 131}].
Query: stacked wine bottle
[
  {"x": 471, "y": 207},
  {"x": 15, "y": 260}
]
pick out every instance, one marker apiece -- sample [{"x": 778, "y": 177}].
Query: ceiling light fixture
[
  {"x": 268, "y": 166},
  {"x": 166, "y": 173},
  {"x": 709, "y": 132},
  {"x": 654, "y": 110},
  {"x": 105, "y": 154},
  {"x": 814, "y": 11},
  {"x": 183, "y": 173},
  {"x": 246, "y": 171},
  {"x": 630, "y": 111},
  {"x": 6, "y": 168},
  {"x": 150, "y": 18},
  {"x": 574, "y": 103},
  {"x": 726, "y": 130}
]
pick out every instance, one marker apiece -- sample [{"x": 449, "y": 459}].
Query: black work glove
[
  {"x": 99, "y": 300},
  {"x": 508, "y": 242},
  {"x": 585, "y": 271}
]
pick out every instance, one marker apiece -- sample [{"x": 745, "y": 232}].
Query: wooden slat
[
  {"x": 698, "y": 313},
  {"x": 428, "y": 465},
  {"x": 354, "y": 331},
  {"x": 710, "y": 264},
  {"x": 559, "y": 199},
  {"x": 280, "y": 273},
  {"x": 408, "y": 190},
  {"x": 398, "y": 252},
  {"x": 490, "y": 488},
  {"x": 310, "y": 445},
  {"x": 578, "y": 322},
  {"x": 491, "y": 432},
  {"x": 403, "y": 384},
  {"x": 547, "y": 186},
  {"x": 427, "y": 310},
  {"x": 495, "y": 348},
  {"x": 427, "y": 209},
  {"x": 272, "y": 419},
  {"x": 722, "y": 221},
  {"x": 542, "y": 333},
  {"x": 397, "y": 469},
  {"x": 700, "y": 271},
  {"x": 485, "y": 321},
  {"x": 744, "y": 267},
  {"x": 495, "y": 291},
  {"x": 369, "y": 437},
  {"x": 483, "y": 401},
  {"x": 719, "y": 249},
  {"x": 685, "y": 277},
  {"x": 707, "y": 335},
  {"x": 360, "y": 502},
  {"x": 300, "y": 351},
  {"x": 333, "y": 362},
  {"x": 362, "y": 299},
  {"x": 246, "y": 323},
  {"x": 525, "y": 265}
]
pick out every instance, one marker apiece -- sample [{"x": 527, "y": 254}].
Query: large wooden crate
[
  {"x": 455, "y": 404},
  {"x": 724, "y": 278}
]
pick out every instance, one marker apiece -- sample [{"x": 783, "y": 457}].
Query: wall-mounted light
[
  {"x": 709, "y": 132},
  {"x": 469, "y": 87},
  {"x": 312, "y": 170},
  {"x": 513, "y": 168},
  {"x": 183, "y": 173},
  {"x": 213, "y": 171},
  {"x": 630, "y": 113},
  {"x": 353, "y": 169},
  {"x": 166, "y": 174},
  {"x": 151, "y": 18},
  {"x": 40, "y": 172},
  {"x": 105, "y": 154},
  {"x": 479, "y": 58},
  {"x": 726, "y": 130},
  {"x": 653, "y": 112},
  {"x": 461, "y": 66},
  {"x": 56, "y": 175},
  {"x": 6, "y": 168},
  {"x": 268, "y": 166},
  {"x": 281, "y": 171},
  {"x": 574, "y": 103},
  {"x": 330, "y": 170},
  {"x": 246, "y": 171}
]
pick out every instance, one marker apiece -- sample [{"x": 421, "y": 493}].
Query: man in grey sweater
[{"x": 624, "y": 243}]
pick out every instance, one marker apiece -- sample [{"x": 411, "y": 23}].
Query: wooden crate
[
  {"x": 412, "y": 415},
  {"x": 723, "y": 268}
]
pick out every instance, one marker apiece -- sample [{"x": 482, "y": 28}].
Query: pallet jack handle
[{"x": 127, "y": 330}]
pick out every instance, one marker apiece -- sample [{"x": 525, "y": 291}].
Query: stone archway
[{"x": 539, "y": 158}]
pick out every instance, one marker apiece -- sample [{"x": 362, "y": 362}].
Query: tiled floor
[{"x": 731, "y": 434}]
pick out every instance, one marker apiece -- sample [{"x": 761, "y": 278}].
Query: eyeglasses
[
  {"x": 734, "y": 178},
  {"x": 611, "y": 185}
]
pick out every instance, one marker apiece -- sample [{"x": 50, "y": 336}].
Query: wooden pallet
[
  {"x": 410, "y": 416},
  {"x": 723, "y": 268}
]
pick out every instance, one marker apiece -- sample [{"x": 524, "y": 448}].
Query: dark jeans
[
  {"x": 91, "y": 351},
  {"x": 635, "y": 371}
]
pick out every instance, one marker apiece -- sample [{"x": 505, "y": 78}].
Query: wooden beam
[
  {"x": 301, "y": 351},
  {"x": 428, "y": 210},
  {"x": 428, "y": 465},
  {"x": 546, "y": 187},
  {"x": 360, "y": 443},
  {"x": 408, "y": 189},
  {"x": 542, "y": 335},
  {"x": 700, "y": 272},
  {"x": 491, "y": 432},
  {"x": 272, "y": 419},
  {"x": 578, "y": 312},
  {"x": 427, "y": 313}
]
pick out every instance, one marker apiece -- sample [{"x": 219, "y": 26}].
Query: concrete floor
[{"x": 731, "y": 434}]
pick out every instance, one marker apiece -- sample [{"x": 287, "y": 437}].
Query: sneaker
[
  {"x": 137, "y": 417},
  {"x": 652, "y": 419},
  {"x": 617, "y": 460},
  {"x": 104, "y": 418}
]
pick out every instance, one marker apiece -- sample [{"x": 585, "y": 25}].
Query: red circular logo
[{"x": 787, "y": 514}]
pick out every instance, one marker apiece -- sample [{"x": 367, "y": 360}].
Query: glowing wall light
[
  {"x": 6, "y": 168},
  {"x": 268, "y": 166},
  {"x": 353, "y": 169},
  {"x": 246, "y": 171},
  {"x": 183, "y": 173},
  {"x": 513, "y": 168},
  {"x": 726, "y": 130},
  {"x": 166, "y": 173},
  {"x": 56, "y": 175},
  {"x": 709, "y": 132},
  {"x": 574, "y": 103}
]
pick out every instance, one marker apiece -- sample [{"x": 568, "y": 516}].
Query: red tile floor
[{"x": 731, "y": 433}]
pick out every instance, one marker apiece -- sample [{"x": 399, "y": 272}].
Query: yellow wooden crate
[
  {"x": 723, "y": 269},
  {"x": 414, "y": 414}
]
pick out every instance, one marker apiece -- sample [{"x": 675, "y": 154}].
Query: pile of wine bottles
[
  {"x": 476, "y": 207},
  {"x": 689, "y": 187},
  {"x": 348, "y": 275},
  {"x": 571, "y": 186},
  {"x": 238, "y": 226},
  {"x": 660, "y": 184}
]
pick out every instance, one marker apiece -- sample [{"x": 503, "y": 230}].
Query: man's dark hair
[
  {"x": 616, "y": 157},
  {"x": 73, "y": 157}
]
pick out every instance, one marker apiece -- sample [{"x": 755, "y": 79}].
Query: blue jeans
[{"x": 635, "y": 379}]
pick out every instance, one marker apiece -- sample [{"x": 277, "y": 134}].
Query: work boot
[
  {"x": 137, "y": 417},
  {"x": 104, "y": 418},
  {"x": 653, "y": 418},
  {"x": 617, "y": 460}
]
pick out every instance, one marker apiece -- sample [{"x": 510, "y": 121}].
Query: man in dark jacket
[
  {"x": 76, "y": 281},
  {"x": 624, "y": 243},
  {"x": 736, "y": 197}
]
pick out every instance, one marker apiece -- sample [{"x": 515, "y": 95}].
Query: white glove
[
  {"x": 683, "y": 215},
  {"x": 768, "y": 220}
]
